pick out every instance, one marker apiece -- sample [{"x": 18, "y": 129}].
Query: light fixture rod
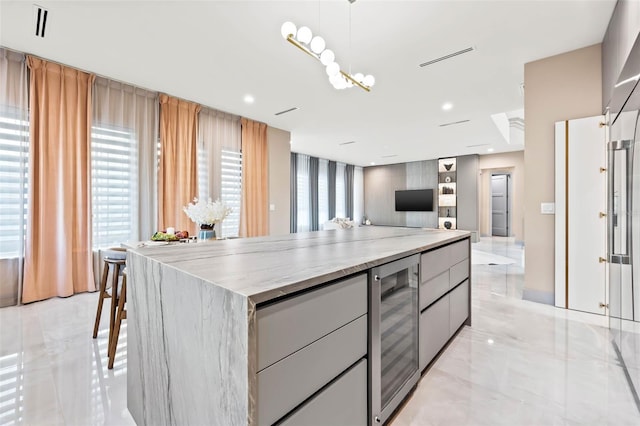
[
  {"x": 354, "y": 81},
  {"x": 295, "y": 42}
]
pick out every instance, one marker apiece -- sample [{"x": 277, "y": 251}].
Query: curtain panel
[
  {"x": 217, "y": 131},
  {"x": 348, "y": 190},
  {"x": 220, "y": 164},
  {"x": 177, "y": 172},
  {"x": 14, "y": 147},
  {"x": 254, "y": 213},
  {"x": 133, "y": 113},
  {"x": 314, "y": 165},
  {"x": 358, "y": 194},
  {"x": 58, "y": 256},
  {"x": 332, "y": 189},
  {"x": 293, "y": 194}
]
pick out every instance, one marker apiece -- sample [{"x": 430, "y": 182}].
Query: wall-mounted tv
[{"x": 415, "y": 200}]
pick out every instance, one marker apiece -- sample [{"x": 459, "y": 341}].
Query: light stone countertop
[{"x": 266, "y": 268}]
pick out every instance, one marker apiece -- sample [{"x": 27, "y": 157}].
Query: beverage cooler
[{"x": 393, "y": 350}]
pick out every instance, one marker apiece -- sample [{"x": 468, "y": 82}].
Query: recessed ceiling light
[
  {"x": 373, "y": 163},
  {"x": 249, "y": 99},
  {"x": 447, "y": 106},
  {"x": 490, "y": 150}
]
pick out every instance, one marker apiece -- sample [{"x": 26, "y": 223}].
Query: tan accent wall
[
  {"x": 279, "y": 146},
  {"x": 557, "y": 88},
  {"x": 506, "y": 162}
]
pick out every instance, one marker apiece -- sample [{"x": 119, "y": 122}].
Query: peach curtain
[
  {"x": 58, "y": 258},
  {"x": 177, "y": 173},
  {"x": 254, "y": 213}
]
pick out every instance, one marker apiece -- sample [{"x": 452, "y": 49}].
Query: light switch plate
[
  {"x": 547, "y": 208},
  {"x": 272, "y": 207}
]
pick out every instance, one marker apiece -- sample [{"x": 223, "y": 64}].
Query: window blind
[
  {"x": 14, "y": 160},
  {"x": 114, "y": 188},
  {"x": 231, "y": 190}
]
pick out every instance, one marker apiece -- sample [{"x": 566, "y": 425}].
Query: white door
[{"x": 580, "y": 215}]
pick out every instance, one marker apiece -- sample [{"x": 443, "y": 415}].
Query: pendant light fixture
[{"x": 315, "y": 47}]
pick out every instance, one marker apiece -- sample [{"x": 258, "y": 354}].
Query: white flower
[{"x": 207, "y": 213}]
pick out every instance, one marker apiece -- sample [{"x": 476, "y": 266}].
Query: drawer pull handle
[
  {"x": 377, "y": 419},
  {"x": 376, "y": 278}
]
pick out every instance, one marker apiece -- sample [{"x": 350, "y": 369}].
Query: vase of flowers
[{"x": 206, "y": 214}]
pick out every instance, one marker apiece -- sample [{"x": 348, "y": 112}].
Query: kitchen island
[{"x": 275, "y": 329}]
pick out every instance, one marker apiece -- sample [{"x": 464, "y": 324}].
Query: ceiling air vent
[
  {"x": 347, "y": 143},
  {"x": 389, "y": 156},
  {"x": 449, "y": 56},
  {"x": 40, "y": 19},
  {"x": 454, "y": 123},
  {"x": 286, "y": 111}
]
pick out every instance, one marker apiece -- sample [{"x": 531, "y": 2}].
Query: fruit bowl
[{"x": 162, "y": 236}]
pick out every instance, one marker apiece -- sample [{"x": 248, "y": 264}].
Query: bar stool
[
  {"x": 113, "y": 262},
  {"x": 122, "y": 314}
]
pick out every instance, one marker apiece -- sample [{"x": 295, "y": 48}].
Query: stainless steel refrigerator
[{"x": 624, "y": 217}]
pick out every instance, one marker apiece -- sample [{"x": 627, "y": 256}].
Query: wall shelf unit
[{"x": 447, "y": 193}]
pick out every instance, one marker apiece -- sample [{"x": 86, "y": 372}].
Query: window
[
  {"x": 323, "y": 192},
  {"x": 304, "y": 204},
  {"x": 114, "y": 177},
  {"x": 231, "y": 191},
  {"x": 358, "y": 194},
  {"x": 14, "y": 151},
  {"x": 341, "y": 198}
]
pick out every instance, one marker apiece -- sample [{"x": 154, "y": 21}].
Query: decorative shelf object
[{"x": 447, "y": 193}]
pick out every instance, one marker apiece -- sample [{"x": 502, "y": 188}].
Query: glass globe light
[
  {"x": 369, "y": 80},
  {"x": 327, "y": 57},
  {"x": 304, "y": 35},
  {"x": 288, "y": 29},
  {"x": 359, "y": 77},
  {"x": 333, "y": 68},
  {"x": 317, "y": 44},
  {"x": 335, "y": 78}
]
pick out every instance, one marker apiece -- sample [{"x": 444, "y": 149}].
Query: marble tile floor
[{"x": 521, "y": 363}]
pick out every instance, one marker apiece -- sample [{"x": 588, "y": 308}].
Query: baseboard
[{"x": 546, "y": 297}]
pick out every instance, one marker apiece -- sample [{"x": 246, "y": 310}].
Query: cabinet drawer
[
  {"x": 434, "y": 331},
  {"x": 434, "y": 262},
  {"x": 343, "y": 402},
  {"x": 285, "y": 384},
  {"x": 459, "y": 306},
  {"x": 459, "y": 251},
  {"x": 459, "y": 272},
  {"x": 433, "y": 289},
  {"x": 287, "y": 326}
]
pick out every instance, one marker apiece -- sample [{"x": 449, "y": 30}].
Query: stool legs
[
  {"x": 114, "y": 300},
  {"x": 103, "y": 295},
  {"x": 122, "y": 314}
]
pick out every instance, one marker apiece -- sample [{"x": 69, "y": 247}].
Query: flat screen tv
[{"x": 415, "y": 200}]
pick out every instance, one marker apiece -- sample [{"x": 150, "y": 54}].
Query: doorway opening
[{"x": 501, "y": 204}]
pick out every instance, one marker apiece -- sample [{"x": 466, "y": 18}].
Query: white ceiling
[{"x": 216, "y": 52}]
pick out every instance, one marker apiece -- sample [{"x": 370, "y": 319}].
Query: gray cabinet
[
  {"x": 459, "y": 306},
  {"x": 287, "y": 326},
  {"x": 434, "y": 331},
  {"x": 343, "y": 402},
  {"x": 306, "y": 342},
  {"x": 444, "y": 297}
]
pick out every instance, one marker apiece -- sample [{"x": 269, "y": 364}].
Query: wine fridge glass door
[{"x": 395, "y": 353}]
